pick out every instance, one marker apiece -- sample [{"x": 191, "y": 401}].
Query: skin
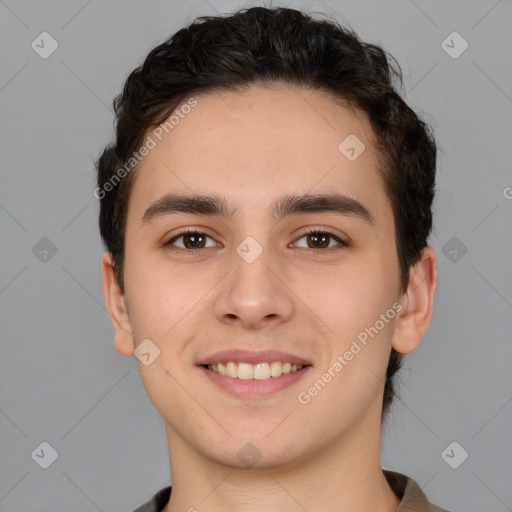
[{"x": 253, "y": 147}]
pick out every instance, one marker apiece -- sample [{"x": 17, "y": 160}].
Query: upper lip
[{"x": 252, "y": 357}]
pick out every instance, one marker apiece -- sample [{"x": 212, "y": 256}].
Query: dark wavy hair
[{"x": 267, "y": 46}]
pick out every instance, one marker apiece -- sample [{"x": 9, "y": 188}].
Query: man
[{"x": 265, "y": 208}]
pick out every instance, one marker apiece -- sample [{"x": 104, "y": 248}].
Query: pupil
[
  {"x": 191, "y": 236},
  {"x": 321, "y": 236}
]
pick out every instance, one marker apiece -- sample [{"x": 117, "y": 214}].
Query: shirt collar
[{"x": 408, "y": 491}]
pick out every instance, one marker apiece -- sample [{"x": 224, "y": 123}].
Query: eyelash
[{"x": 342, "y": 243}]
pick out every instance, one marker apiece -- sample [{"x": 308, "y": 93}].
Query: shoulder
[
  {"x": 413, "y": 498},
  {"x": 158, "y": 502}
]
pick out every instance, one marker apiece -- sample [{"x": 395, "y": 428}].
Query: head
[{"x": 252, "y": 107}]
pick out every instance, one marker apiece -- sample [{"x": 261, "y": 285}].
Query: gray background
[{"x": 61, "y": 380}]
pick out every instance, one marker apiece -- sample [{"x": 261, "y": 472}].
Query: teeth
[{"x": 260, "y": 371}]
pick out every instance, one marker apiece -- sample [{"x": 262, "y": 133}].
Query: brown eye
[
  {"x": 319, "y": 240},
  {"x": 316, "y": 239},
  {"x": 191, "y": 240}
]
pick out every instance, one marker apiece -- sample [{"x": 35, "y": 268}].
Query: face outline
[{"x": 194, "y": 305}]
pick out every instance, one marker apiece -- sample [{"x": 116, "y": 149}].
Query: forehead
[
  {"x": 256, "y": 145},
  {"x": 265, "y": 127}
]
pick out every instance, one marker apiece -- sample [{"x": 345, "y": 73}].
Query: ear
[
  {"x": 418, "y": 304},
  {"x": 114, "y": 298}
]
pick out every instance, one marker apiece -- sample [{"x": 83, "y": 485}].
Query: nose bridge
[{"x": 252, "y": 292}]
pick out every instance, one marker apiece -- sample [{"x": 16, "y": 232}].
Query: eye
[
  {"x": 192, "y": 240},
  {"x": 321, "y": 239}
]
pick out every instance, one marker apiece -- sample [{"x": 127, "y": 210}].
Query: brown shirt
[{"x": 413, "y": 498}]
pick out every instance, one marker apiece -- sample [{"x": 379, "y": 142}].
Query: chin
[{"x": 258, "y": 453}]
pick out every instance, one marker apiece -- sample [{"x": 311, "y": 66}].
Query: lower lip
[{"x": 254, "y": 388}]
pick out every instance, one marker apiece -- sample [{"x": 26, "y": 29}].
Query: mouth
[
  {"x": 261, "y": 371},
  {"x": 254, "y": 381}
]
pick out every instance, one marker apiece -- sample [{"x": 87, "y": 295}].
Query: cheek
[
  {"x": 165, "y": 296},
  {"x": 353, "y": 297},
  {"x": 351, "y": 304},
  {"x": 155, "y": 300},
  {"x": 358, "y": 348}
]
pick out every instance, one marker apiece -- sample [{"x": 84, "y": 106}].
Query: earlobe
[
  {"x": 115, "y": 300},
  {"x": 418, "y": 304}
]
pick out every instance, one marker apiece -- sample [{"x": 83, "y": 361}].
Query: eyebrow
[{"x": 284, "y": 206}]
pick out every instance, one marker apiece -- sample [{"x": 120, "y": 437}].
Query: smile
[
  {"x": 247, "y": 371},
  {"x": 254, "y": 381}
]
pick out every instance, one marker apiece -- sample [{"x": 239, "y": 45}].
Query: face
[{"x": 252, "y": 278}]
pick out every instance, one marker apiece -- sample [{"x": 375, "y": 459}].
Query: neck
[{"x": 345, "y": 475}]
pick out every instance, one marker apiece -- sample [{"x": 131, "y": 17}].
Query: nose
[{"x": 255, "y": 295}]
